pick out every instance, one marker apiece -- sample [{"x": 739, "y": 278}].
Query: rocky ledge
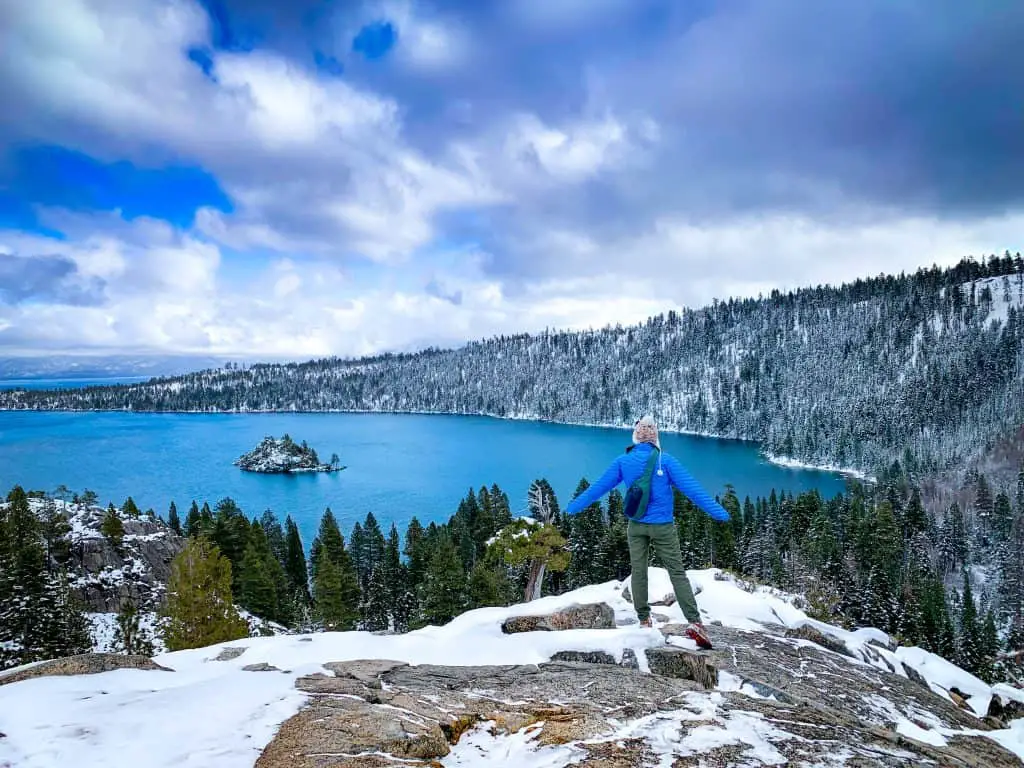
[
  {"x": 761, "y": 698},
  {"x": 284, "y": 455},
  {"x": 108, "y": 574}
]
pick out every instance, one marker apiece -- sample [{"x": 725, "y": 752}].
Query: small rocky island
[{"x": 279, "y": 456}]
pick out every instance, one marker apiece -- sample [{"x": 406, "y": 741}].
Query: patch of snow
[
  {"x": 481, "y": 747},
  {"x": 943, "y": 675},
  {"x": 907, "y": 727},
  {"x": 1012, "y": 737},
  {"x": 791, "y": 463},
  {"x": 671, "y": 735}
]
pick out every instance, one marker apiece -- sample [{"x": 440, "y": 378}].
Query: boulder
[
  {"x": 809, "y": 633},
  {"x": 914, "y": 675},
  {"x": 588, "y": 616},
  {"x": 682, "y": 664},
  {"x": 585, "y": 657},
  {"x": 83, "y": 664},
  {"x": 229, "y": 653},
  {"x": 1005, "y": 708}
]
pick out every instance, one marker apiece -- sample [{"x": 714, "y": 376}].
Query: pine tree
[
  {"x": 416, "y": 559},
  {"x": 444, "y": 589},
  {"x": 396, "y": 578},
  {"x": 199, "y": 608},
  {"x": 357, "y": 550},
  {"x": 63, "y": 628},
  {"x": 130, "y": 637},
  {"x": 488, "y": 586},
  {"x": 953, "y": 539},
  {"x": 193, "y": 521},
  {"x": 54, "y": 528},
  {"x": 615, "y": 548},
  {"x": 131, "y": 509},
  {"x": 375, "y": 608},
  {"x": 336, "y": 592},
  {"x": 374, "y": 543},
  {"x": 257, "y": 590},
  {"x": 587, "y": 533},
  {"x": 173, "y": 521},
  {"x": 39, "y": 618},
  {"x": 230, "y": 533},
  {"x": 112, "y": 527},
  {"x": 1002, "y": 518},
  {"x": 984, "y": 506},
  {"x": 295, "y": 561},
  {"x": 968, "y": 646},
  {"x": 988, "y": 649},
  {"x": 915, "y": 520},
  {"x": 329, "y": 606},
  {"x": 276, "y": 538}
]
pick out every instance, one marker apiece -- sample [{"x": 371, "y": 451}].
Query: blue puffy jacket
[{"x": 630, "y": 465}]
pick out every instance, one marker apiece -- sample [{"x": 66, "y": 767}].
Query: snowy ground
[{"x": 208, "y": 712}]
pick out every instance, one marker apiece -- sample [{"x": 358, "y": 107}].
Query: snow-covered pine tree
[{"x": 969, "y": 637}]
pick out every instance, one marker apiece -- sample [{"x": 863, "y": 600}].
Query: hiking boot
[
  {"x": 646, "y": 623},
  {"x": 699, "y": 635}
]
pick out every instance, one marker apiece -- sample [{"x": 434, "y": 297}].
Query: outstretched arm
[
  {"x": 686, "y": 483},
  {"x": 611, "y": 477}
]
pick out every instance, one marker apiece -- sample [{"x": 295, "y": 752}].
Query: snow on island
[{"x": 277, "y": 456}]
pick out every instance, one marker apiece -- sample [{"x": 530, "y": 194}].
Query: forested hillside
[{"x": 854, "y": 375}]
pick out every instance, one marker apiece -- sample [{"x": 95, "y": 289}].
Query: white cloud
[
  {"x": 169, "y": 294},
  {"x": 427, "y": 42}
]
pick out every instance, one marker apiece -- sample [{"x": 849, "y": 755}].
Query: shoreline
[{"x": 781, "y": 461}]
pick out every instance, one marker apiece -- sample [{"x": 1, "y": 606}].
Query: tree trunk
[{"x": 536, "y": 580}]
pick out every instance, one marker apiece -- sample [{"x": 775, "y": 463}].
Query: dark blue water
[
  {"x": 69, "y": 383},
  {"x": 398, "y": 465}
]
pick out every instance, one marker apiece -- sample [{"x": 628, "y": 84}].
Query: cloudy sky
[{"x": 288, "y": 178}]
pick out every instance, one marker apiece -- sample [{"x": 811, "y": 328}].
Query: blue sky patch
[
  {"x": 327, "y": 64},
  {"x": 375, "y": 40},
  {"x": 201, "y": 58},
  {"x": 56, "y": 177}
]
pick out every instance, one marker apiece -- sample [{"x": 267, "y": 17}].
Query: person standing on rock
[{"x": 649, "y": 476}]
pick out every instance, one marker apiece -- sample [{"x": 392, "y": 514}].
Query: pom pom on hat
[{"x": 646, "y": 431}]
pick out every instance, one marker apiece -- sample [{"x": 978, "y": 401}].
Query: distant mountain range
[{"x": 111, "y": 366}]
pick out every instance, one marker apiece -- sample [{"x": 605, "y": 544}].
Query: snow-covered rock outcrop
[
  {"x": 108, "y": 574},
  {"x": 780, "y": 689},
  {"x": 279, "y": 456}
]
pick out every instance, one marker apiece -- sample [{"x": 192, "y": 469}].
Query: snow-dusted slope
[{"x": 215, "y": 713}]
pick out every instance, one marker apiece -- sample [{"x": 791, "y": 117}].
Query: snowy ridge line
[{"x": 211, "y": 712}]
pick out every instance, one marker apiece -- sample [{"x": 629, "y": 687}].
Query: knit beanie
[{"x": 646, "y": 431}]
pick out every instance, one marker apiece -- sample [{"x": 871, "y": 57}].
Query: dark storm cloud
[
  {"x": 913, "y": 104},
  {"x": 50, "y": 279}
]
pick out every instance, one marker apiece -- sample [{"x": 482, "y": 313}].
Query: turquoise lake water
[{"x": 398, "y": 466}]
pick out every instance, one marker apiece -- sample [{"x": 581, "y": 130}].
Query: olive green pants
[{"x": 665, "y": 541}]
